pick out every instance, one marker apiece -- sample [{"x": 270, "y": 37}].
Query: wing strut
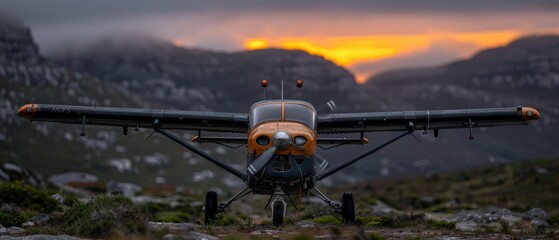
[
  {"x": 411, "y": 128},
  {"x": 201, "y": 153}
]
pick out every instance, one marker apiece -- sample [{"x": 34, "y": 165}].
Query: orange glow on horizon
[
  {"x": 253, "y": 44},
  {"x": 351, "y": 50}
]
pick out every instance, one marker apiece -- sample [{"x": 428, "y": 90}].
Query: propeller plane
[{"x": 281, "y": 137}]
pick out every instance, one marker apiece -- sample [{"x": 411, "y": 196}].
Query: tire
[
  {"x": 348, "y": 208},
  {"x": 210, "y": 209},
  {"x": 277, "y": 213}
]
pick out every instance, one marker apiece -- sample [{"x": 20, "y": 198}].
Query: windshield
[
  {"x": 294, "y": 112},
  {"x": 300, "y": 113}
]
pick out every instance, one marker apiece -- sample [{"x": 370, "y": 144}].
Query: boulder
[
  {"x": 40, "y": 219},
  {"x": 537, "y": 213},
  {"x": 15, "y": 231},
  {"x": 196, "y": 236},
  {"x": 27, "y": 224},
  {"x": 3, "y": 230}
]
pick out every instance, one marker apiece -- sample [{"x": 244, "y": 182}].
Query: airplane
[{"x": 281, "y": 138}]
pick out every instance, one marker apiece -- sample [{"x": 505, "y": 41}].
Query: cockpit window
[
  {"x": 294, "y": 112},
  {"x": 264, "y": 113},
  {"x": 300, "y": 113}
]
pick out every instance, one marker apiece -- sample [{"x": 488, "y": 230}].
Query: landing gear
[
  {"x": 348, "y": 208},
  {"x": 277, "y": 214},
  {"x": 279, "y": 207},
  {"x": 210, "y": 209}
]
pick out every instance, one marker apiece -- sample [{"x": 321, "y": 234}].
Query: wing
[
  {"x": 136, "y": 117},
  {"x": 435, "y": 119}
]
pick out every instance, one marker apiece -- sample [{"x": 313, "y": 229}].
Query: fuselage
[{"x": 292, "y": 167}]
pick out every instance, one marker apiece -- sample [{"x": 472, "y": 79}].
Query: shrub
[
  {"x": 328, "y": 219},
  {"x": 554, "y": 220},
  {"x": 104, "y": 215},
  {"x": 11, "y": 215},
  {"x": 26, "y": 196},
  {"x": 172, "y": 216}
]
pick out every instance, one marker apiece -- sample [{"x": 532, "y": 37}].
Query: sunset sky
[{"x": 367, "y": 37}]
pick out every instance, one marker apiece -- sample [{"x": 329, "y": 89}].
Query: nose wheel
[{"x": 279, "y": 207}]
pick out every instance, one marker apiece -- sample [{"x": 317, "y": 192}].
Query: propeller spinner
[{"x": 280, "y": 140}]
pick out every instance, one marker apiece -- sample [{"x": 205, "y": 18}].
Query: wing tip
[
  {"x": 529, "y": 114},
  {"x": 27, "y": 111}
]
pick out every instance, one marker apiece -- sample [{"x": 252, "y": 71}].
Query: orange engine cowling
[{"x": 303, "y": 139}]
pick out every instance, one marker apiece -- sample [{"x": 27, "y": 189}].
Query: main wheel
[
  {"x": 210, "y": 209},
  {"x": 277, "y": 213},
  {"x": 348, "y": 208}
]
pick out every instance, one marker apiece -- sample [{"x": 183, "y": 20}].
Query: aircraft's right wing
[{"x": 430, "y": 119}]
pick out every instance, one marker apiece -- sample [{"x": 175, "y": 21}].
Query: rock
[
  {"x": 197, "y": 236},
  {"x": 59, "y": 198},
  {"x": 27, "y": 224},
  {"x": 380, "y": 208},
  {"x": 3, "y": 230},
  {"x": 306, "y": 224},
  {"x": 537, "y": 213},
  {"x": 175, "y": 228},
  {"x": 539, "y": 225},
  {"x": 40, "y": 237},
  {"x": 265, "y": 232},
  {"x": 15, "y": 230},
  {"x": 40, "y": 219},
  {"x": 170, "y": 237}
]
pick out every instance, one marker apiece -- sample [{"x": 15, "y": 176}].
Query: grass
[
  {"x": 172, "y": 216},
  {"x": 328, "y": 219}
]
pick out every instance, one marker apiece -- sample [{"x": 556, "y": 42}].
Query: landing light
[{"x": 299, "y": 141}]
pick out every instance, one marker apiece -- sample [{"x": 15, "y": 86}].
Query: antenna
[
  {"x": 281, "y": 89},
  {"x": 264, "y": 84}
]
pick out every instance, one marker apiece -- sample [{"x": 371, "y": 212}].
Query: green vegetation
[
  {"x": 226, "y": 220},
  {"x": 554, "y": 220},
  {"x": 328, "y": 219},
  {"x": 104, "y": 215},
  {"x": 172, "y": 216},
  {"x": 26, "y": 196},
  {"x": 518, "y": 186},
  {"x": 11, "y": 215},
  {"x": 441, "y": 224}
]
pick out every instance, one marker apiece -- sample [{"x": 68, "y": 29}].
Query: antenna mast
[{"x": 281, "y": 89}]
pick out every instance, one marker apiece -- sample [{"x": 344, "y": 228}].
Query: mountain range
[{"x": 142, "y": 71}]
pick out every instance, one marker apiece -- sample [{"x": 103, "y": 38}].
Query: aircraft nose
[{"x": 281, "y": 139}]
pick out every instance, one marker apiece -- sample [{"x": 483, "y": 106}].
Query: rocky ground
[{"x": 485, "y": 223}]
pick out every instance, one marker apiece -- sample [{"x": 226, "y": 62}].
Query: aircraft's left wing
[
  {"x": 434, "y": 119},
  {"x": 136, "y": 117}
]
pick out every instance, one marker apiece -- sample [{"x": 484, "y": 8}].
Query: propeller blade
[
  {"x": 322, "y": 161},
  {"x": 258, "y": 164}
]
